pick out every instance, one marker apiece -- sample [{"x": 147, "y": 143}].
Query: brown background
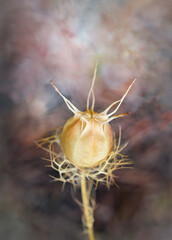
[{"x": 47, "y": 39}]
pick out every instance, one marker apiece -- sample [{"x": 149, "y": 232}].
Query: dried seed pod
[
  {"x": 89, "y": 151},
  {"x": 87, "y": 138}
]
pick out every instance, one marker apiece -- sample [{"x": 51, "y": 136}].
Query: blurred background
[{"x": 60, "y": 39}]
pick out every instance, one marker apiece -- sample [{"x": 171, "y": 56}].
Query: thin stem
[{"x": 87, "y": 209}]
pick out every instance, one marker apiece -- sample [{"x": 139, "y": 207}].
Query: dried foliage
[{"x": 68, "y": 172}]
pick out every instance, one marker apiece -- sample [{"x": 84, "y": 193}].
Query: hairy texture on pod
[{"x": 86, "y": 141}]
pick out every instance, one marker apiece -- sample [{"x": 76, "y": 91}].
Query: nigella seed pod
[
  {"x": 90, "y": 153},
  {"x": 87, "y": 138}
]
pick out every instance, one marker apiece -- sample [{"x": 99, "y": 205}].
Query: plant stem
[{"x": 87, "y": 209}]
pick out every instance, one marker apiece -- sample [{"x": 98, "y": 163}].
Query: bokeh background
[{"x": 60, "y": 39}]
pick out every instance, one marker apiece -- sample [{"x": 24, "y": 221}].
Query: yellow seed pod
[{"x": 87, "y": 138}]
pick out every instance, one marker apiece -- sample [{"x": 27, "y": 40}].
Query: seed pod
[
  {"x": 90, "y": 155},
  {"x": 87, "y": 138},
  {"x": 85, "y": 141}
]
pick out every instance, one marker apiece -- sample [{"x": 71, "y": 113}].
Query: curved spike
[
  {"x": 116, "y": 116},
  {"x": 108, "y": 108},
  {"x": 121, "y": 100},
  {"x": 68, "y": 103},
  {"x": 91, "y": 89}
]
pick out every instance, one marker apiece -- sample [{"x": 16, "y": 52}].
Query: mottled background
[{"x": 59, "y": 39}]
